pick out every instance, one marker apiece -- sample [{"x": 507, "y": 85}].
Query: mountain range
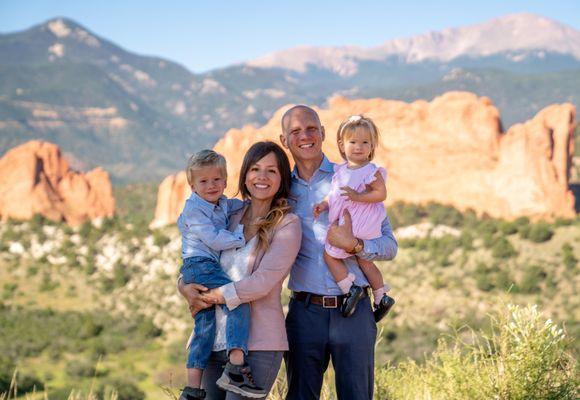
[{"x": 139, "y": 117}]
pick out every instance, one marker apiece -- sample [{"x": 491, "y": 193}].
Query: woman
[{"x": 273, "y": 236}]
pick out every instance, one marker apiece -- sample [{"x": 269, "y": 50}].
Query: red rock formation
[
  {"x": 171, "y": 197},
  {"x": 451, "y": 150},
  {"x": 36, "y": 179}
]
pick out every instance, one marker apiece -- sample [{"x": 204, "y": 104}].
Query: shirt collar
[
  {"x": 325, "y": 166},
  {"x": 206, "y": 205}
]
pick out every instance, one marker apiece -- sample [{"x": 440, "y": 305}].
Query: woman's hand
[
  {"x": 341, "y": 235},
  {"x": 213, "y": 296},
  {"x": 192, "y": 293}
]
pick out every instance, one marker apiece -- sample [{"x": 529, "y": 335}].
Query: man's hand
[
  {"x": 320, "y": 208},
  {"x": 341, "y": 235},
  {"x": 193, "y": 295},
  {"x": 213, "y": 296}
]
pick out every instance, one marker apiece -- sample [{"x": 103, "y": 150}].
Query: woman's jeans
[
  {"x": 265, "y": 367},
  {"x": 207, "y": 272}
]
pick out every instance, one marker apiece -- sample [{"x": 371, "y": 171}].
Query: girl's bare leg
[
  {"x": 339, "y": 272},
  {"x": 374, "y": 277}
]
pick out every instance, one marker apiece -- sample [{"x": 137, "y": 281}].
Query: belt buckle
[{"x": 329, "y": 302}]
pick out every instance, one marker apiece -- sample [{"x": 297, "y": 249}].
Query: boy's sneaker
[
  {"x": 189, "y": 393},
  {"x": 382, "y": 309},
  {"x": 354, "y": 295},
  {"x": 238, "y": 379}
]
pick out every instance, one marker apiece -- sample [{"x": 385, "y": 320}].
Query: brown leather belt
[{"x": 324, "y": 301}]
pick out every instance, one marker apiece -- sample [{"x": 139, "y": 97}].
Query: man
[{"x": 317, "y": 331}]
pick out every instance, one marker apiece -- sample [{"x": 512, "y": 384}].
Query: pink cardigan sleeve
[{"x": 276, "y": 262}]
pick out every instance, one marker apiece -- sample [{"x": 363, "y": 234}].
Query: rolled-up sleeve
[{"x": 383, "y": 248}]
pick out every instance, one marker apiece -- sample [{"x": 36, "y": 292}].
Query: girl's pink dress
[{"x": 366, "y": 217}]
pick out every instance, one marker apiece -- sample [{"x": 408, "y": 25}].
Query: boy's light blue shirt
[
  {"x": 309, "y": 272},
  {"x": 203, "y": 227}
]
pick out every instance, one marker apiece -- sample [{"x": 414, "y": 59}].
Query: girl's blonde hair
[{"x": 348, "y": 127}]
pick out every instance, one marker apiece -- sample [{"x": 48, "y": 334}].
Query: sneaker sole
[{"x": 223, "y": 384}]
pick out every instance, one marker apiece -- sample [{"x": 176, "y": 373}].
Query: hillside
[
  {"x": 138, "y": 117},
  {"x": 106, "y": 302}
]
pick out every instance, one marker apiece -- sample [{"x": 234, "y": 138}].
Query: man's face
[{"x": 303, "y": 135}]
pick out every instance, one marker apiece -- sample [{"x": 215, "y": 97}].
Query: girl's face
[
  {"x": 263, "y": 178},
  {"x": 357, "y": 146}
]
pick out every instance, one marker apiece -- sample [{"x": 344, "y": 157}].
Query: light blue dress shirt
[
  {"x": 203, "y": 227},
  {"x": 309, "y": 272}
]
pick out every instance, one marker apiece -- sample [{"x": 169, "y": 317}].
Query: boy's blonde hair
[
  {"x": 205, "y": 158},
  {"x": 347, "y": 128}
]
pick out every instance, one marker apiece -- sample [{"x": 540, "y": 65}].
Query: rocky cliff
[
  {"x": 451, "y": 150},
  {"x": 36, "y": 179}
]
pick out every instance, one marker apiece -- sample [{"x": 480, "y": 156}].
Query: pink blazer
[{"x": 262, "y": 289}]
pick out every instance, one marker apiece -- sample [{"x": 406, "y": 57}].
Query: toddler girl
[{"x": 359, "y": 187}]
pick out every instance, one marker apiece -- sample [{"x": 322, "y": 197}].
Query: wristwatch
[{"x": 358, "y": 247}]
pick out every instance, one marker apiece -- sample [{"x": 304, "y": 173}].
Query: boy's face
[{"x": 209, "y": 183}]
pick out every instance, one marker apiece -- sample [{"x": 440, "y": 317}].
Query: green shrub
[
  {"x": 503, "y": 249},
  {"x": 404, "y": 214},
  {"x": 570, "y": 261},
  {"x": 124, "y": 389},
  {"x": 25, "y": 333},
  {"x": 47, "y": 284},
  {"x": 10, "y": 289},
  {"x": 444, "y": 215},
  {"x": 466, "y": 241},
  {"x": 540, "y": 232},
  {"x": 26, "y": 383},
  {"x": 407, "y": 243},
  {"x": 85, "y": 230},
  {"x": 484, "y": 279},
  {"x": 159, "y": 239},
  {"x": 504, "y": 280},
  {"x": 508, "y": 228},
  {"x": 80, "y": 368},
  {"x": 525, "y": 358},
  {"x": 487, "y": 226},
  {"x": 147, "y": 329},
  {"x": 563, "y": 222},
  {"x": 532, "y": 277}
]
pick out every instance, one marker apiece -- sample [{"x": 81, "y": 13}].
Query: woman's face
[{"x": 263, "y": 178}]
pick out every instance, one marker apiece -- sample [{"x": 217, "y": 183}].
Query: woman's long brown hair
[{"x": 279, "y": 207}]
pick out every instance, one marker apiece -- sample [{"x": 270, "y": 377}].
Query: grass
[
  {"x": 441, "y": 285},
  {"x": 522, "y": 356}
]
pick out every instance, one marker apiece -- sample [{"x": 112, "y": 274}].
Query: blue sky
[{"x": 203, "y": 35}]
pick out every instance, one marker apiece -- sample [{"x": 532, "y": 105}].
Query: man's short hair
[
  {"x": 292, "y": 109},
  {"x": 204, "y": 158}
]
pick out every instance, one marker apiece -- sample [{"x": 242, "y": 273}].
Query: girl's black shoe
[
  {"x": 383, "y": 308},
  {"x": 354, "y": 295}
]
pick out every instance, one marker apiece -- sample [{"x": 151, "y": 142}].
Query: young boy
[{"x": 203, "y": 224}]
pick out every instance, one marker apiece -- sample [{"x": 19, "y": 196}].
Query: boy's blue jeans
[{"x": 209, "y": 273}]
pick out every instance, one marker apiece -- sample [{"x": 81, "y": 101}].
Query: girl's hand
[
  {"x": 349, "y": 192},
  {"x": 213, "y": 296},
  {"x": 320, "y": 208}
]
